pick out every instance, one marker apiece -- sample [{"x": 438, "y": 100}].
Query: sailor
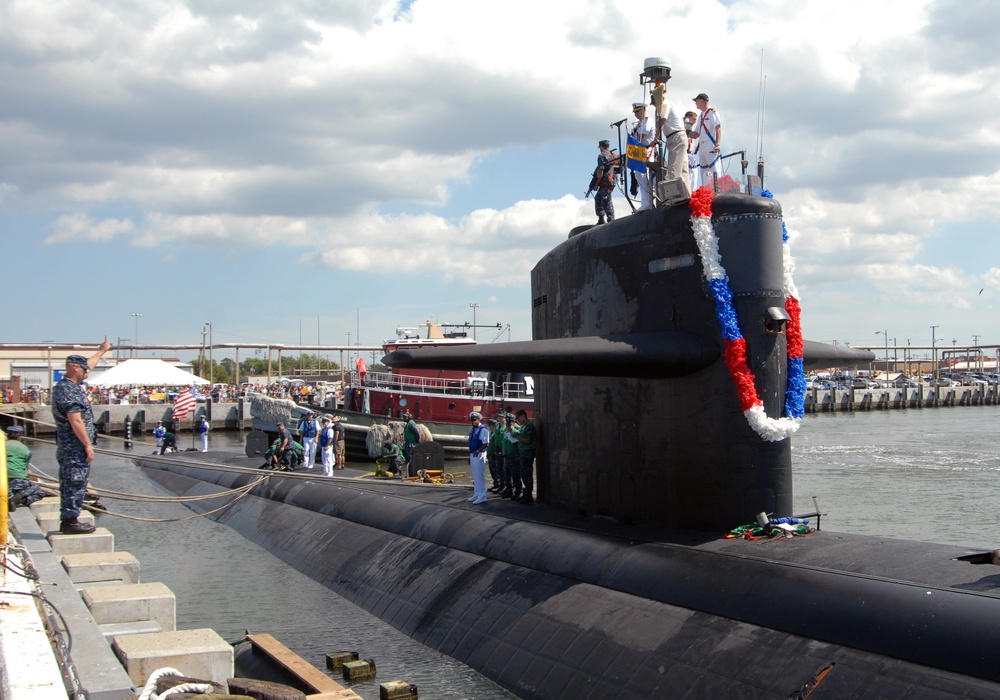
[
  {"x": 326, "y": 445},
  {"x": 75, "y": 438},
  {"x": 494, "y": 454},
  {"x": 709, "y": 130},
  {"x": 672, "y": 131},
  {"x": 694, "y": 172},
  {"x": 527, "y": 438},
  {"x": 479, "y": 440},
  {"x": 169, "y": 443},
  {"x": 308, "y": 431},
  {"x": 203, "y": 429},
  {"x": 158, "y": 432},
  {"x": 394, "y": 457},
  {"x": 286, "y": 445},
  {"x": 411, "y": 436},
  {"x": 21, "y": 491},
  {"x": 603, "y": 182},
  {"x": 644, "y": 131},
  {"x": 511, "y": 465}
]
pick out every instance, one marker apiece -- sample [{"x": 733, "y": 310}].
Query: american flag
[{"x": 184, "y": 405}]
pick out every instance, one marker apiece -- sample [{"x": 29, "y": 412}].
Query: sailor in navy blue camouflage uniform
[
  {"x": 603, "y": 205},
  {"x": 75, "y": 438}
]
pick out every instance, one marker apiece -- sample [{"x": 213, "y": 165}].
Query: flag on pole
[{"x": 184, "y": 405}]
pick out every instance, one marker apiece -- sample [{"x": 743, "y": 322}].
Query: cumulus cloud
[
  {"x": 78, "y": 228},
  {"x": 366, "y": 133}
]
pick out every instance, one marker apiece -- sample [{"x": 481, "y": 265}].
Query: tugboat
[{"x": 434, "y": 396}]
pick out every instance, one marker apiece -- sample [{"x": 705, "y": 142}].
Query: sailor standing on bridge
[
  {"x": 644, "y": 134},
  {"x": 709, "y": 138}
]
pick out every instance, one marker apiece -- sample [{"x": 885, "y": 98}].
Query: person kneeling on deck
[
  {"x": 168, "y": 443},
  {"x": 394, "y": 459},
  {"x": 21, "y": 491},
  {"x": 288, "y": 457}
]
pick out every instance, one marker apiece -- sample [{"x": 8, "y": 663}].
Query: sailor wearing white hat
[{"x": 479, "y": 439}]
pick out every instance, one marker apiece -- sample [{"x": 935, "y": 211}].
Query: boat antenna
[{"x": 760, "y": 120}]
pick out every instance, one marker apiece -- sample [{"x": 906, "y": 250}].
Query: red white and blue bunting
[{"x": 734, "y": 344}]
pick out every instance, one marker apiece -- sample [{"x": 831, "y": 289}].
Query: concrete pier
[
  {"x": 101, "y": 568},
  {"x": 898, "y": 398},
  {"x": 122, "y": 630}
]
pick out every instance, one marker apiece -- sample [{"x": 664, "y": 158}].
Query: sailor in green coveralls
[{"x": 20, "y": 490}]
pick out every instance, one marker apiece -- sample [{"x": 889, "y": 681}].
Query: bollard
[
  {"x": 359, "y": 670},
  {"x": 128, "y": 431},
  {"x": 397, "y": 690},
  {"x": 336, "y": 660}
]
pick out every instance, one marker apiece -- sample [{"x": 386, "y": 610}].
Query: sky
[{"x": 328, "y": 171}]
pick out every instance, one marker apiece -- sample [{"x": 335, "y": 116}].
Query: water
[
  {"x": 227, "y": 583},
  {"x": 928, "y": 474},
  {"x": 931, "y": 474}
]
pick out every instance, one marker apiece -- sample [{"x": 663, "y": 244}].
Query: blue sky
[{"x": 263, "y": 165}]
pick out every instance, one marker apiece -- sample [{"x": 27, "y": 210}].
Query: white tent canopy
[{"x": 139, "y": 372}]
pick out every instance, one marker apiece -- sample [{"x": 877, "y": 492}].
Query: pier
[{"x": 882, "y": 399}]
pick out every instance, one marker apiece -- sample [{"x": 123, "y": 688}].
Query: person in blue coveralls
[
  {"x": 479, "y": 440},
  {"x": 75, "y": 439}
]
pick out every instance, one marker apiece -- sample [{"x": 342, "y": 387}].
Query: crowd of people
[
  {"x": 327, "y": 438},
  {"x": 507, "y": 448},
  {"x": 224, "y": 393}
]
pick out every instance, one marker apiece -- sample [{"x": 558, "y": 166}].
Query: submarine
[{"x": 668, "y": 358}]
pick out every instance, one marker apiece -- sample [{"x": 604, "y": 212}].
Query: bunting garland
[{"x": 734, "y": 344}]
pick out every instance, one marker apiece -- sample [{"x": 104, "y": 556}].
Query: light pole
[
  {"x": 934, "y": 351},
  {"x": 885, "y": 334},
  {"x": 474, "y": 307},
  {"x": 211, "y": 372},
  {"x": 136, "y": 316}
]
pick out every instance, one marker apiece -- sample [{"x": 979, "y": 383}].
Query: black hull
[{"x": 555, "y": 606}]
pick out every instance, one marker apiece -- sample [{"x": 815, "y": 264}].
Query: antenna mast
[{"x": 760, "y": 120}]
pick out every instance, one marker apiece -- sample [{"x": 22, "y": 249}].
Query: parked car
[
  {"x": 905, "y": 383},
  {"x": 944, "y": 381}
]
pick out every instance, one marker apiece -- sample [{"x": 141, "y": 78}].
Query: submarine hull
[{"x": 552, "y": 606}]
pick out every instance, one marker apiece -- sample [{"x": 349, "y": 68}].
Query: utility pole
[
  {"x": 474, "y": 307},
  {"x": 136, "y": 316},
  {"x": 211, "y": 371},
  {"x": 934, "y": 350}
]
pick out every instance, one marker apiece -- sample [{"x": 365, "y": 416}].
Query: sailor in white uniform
[{"x": 644, "y": 131}]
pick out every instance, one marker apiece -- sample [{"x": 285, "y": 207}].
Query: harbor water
[
  {"x": 931, "y": 474},
  {"x": 921, "y": 474}
]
